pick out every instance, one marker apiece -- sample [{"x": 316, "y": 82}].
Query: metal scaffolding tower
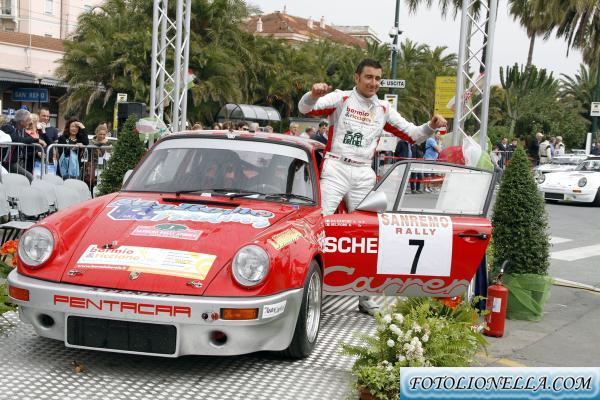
[
  {"x": 475, "y": 86},
  {"x": 170, "y": 57}
]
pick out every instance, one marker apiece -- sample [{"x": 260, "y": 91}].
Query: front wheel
[{"x": 309, "y": 317}]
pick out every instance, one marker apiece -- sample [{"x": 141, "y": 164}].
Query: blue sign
[{"x": 30, "y": 94}]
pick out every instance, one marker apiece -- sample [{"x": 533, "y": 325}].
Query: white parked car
[
  {"x": 566, "y": 162},
  {"x": 581, "y": 185}
]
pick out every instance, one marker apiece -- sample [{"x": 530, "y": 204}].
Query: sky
[{"x": 427, "y": 26}]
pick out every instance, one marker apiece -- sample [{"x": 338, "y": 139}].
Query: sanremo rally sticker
[{"x": 411, "y": 244}]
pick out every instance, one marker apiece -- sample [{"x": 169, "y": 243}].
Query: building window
[{"x": 48, "y": 7}]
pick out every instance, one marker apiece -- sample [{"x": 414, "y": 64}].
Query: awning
[
  {"x": 9, "y": 75},
  {"x": 247, "y": 112}
]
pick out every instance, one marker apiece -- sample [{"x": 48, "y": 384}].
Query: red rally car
[{"x": 216, "y": 246}]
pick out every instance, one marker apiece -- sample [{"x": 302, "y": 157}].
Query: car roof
[{"x": 305, "y": 143}]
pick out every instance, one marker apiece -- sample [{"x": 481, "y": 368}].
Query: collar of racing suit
[{"x": 373, "y": 100}]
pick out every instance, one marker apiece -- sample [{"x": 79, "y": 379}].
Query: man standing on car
[{"x": 357, "y": 119}]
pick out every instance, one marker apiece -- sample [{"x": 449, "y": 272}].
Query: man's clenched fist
[
  {"x": 319, "y": 90},
  {"x": 437, "y": 121}
]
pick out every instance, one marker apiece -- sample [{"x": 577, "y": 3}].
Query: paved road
[
  {"x": 575, "y": 253},
  {"x": 567, "y": 335}
]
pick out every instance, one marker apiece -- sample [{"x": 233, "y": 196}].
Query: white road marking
[
  {"x": 558, "y": 240},
  {"x": 577, "y": 253}
]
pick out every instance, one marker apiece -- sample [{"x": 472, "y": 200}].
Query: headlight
[
  {"x": 541, "y": 178},
  {"x": 250, "y": 265},
  {"x": 36, "y": 246},
  {"x": 582, "y": 182}
]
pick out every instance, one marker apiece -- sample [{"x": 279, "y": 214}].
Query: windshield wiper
[
  {"x": 289, "y": 196},
  {"x": 229, "y": 192}
]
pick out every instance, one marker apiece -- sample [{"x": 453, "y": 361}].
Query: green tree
[
  {"x": 520, "y": 221},
  {"x": 523, "y": 84},
  {"x": 578, "y": 88},
  {"x": 533, "y": 20},
  {"x": 127, "y": 152}
]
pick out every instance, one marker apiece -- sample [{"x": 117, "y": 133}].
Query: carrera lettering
[
  {"x": 347, "y": 245},
  {"x": 122, "y": 306},
  {"x": 284, "y": 238},
  {"x": 391, "y": 286}
]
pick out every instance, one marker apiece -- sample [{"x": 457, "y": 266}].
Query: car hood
[
  {"x": 156, "y": 244},
  {"x": 567, "y": 178}
]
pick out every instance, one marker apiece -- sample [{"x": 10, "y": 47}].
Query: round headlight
[
  {"x": 541, "y": 178},
  {"x": 36, "y": 246},
  {"x": 582, "y": 182},
  {"x": 250, "y": 265}
]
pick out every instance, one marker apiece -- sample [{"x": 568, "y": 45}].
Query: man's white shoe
[{"x": 366, "y": 305}]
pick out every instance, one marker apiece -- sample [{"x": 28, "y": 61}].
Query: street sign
[
  {"x": 595, "y": 109},
  {"x": 392, "y": 99},
  {"x": 445, "y": 89},
  {"x": 30, "y": 95},
  {"x": 393, "y": 83},
  {"x": 121, "y": 97}
]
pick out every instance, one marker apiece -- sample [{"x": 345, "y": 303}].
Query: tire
[
  {"x": 597, "y": 199},
  {"x": 309, "y": 316}
]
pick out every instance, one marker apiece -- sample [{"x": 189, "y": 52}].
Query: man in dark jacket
[
  {"x": 50, "y": 131},
  {"x": 16, "y": 130},
  {"x": 321, "y": 135}
]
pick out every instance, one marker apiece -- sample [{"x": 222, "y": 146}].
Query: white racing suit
[{"x": 355, "y": 125}]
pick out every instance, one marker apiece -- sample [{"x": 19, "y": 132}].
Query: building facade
[
  {"x": 31, "y": 45},
  {"x": 293, "y": 29}
]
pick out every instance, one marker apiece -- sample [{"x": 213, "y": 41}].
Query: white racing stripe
[
  {"x": 577, "y": 253},
  {"x": 558, "y": 240}
]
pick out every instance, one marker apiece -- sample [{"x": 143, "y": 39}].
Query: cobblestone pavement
[{"x": 35, "y": 368}]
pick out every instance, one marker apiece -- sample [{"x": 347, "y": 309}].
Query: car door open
[{"x": 403, "y": 240}]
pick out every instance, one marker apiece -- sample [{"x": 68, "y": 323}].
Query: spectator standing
[
  {"x": 596, "y": 150},
  {"x": 31, "y": 153},
  {"x": 197, "y": 126},
  {"x": 294, "y": 129},
  {"x": 73, "y": 134},
  {"x": 559, "y": 147},
  {"x": 308, "y": 132},
  {"x": 503, "y": 152},
  {"x": 432, "y": 152},
  {"x": 544, "y": 152},
  {"x": 416, "y": 177},
  {"x": 51, "y": 132},
  {"x": 321, "y": 135},
  {"x": 253, "y": 127},
  {"x": 16, "y": 129},
  {"x": 93, "y": 167},
  {"x": 534, "y": 148},
  {"x": 552, "y": 141},
  {"x": 496, "y": 157}
]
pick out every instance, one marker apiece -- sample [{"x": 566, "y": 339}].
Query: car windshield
[
  {"x": 232, "y": 167},
  {"x": 589, "y": 165},
  {"x": 567, "y": 159}
]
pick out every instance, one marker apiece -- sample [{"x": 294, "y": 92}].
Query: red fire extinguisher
[{"x": 496, "y": 307}]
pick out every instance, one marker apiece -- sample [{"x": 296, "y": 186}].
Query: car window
[
  {"x": 212, "y": 164},
  {"x": 436, "y": 189},
  {"x": 589, "y": 165}
]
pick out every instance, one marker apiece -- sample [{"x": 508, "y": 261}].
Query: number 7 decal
[{"x": 420, "y": 243}]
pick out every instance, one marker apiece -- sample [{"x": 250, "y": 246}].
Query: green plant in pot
[
  {"x": 415, "y": 332},
  {"x": 521, "y": 240}
]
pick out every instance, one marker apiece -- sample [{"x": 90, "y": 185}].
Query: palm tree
[
  {"x": 578, "y": 88},
  {"x": 522, "y": 85},
  {"x": 535, "y": 22}
]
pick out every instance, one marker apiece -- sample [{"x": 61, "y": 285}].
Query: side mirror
[
  {"x": 374, "y": 202},
  {"x": 126, "y": 176}
]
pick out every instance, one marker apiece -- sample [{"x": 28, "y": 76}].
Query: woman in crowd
[
  {"x": 74, "y": 134},
  {"x": 93, "y": 167},
  {"x": 35, "y": 131}
]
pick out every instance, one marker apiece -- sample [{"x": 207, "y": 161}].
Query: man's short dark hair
[
  {"x": 323, "y": 123},
  {"x": 367, "y": 62}
]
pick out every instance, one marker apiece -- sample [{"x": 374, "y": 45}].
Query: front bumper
[
  {"x": 50, "y": 303},
  {"x": 555, "y": 193}
]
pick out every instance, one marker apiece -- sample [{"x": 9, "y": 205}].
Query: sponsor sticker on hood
[
  {"x": 149, "y": 210},
  {"x": 171, "y": 231},
  {"x": 145, "y": 259}
]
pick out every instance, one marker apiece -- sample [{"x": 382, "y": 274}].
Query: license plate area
[
  {"x": 554, "y": 196},
  {"x": 117, "y": 335}
]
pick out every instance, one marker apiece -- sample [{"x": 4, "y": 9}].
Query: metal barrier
[
  {"x": 85, "y": 165},
  {"x": 24, "y": 159}
]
